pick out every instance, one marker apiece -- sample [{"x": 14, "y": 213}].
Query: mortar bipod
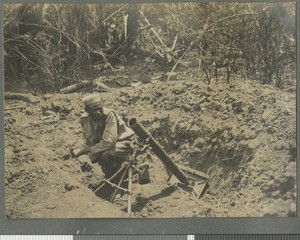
[{"x": 188, "y": 178}]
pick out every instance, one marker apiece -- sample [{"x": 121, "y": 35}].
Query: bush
[{"x": 48, "y": 46}]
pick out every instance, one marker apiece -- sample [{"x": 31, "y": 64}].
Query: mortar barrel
[{"x": 143, "y": 134}]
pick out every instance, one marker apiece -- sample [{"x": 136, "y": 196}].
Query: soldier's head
[{"x": 93, "y": 106}]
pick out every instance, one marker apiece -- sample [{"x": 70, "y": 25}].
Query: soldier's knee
[{"x": 107, "y": 156}]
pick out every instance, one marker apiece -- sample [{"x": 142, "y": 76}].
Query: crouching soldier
[{"x": 107, "y": 138}]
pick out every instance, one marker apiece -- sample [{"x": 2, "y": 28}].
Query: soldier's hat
[{"x": 92, "y": 101}]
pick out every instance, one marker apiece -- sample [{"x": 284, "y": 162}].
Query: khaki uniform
[{"x": 109, "y": 140}]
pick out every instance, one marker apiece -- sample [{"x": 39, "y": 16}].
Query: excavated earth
[{"x": 243, "y": 135}]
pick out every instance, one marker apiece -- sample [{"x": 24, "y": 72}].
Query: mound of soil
[{"x": 242, "y": 135}]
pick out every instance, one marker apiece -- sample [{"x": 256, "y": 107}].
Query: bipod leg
[
  {"x": 113, "y": 195},
  {"x": 103, "y": 182},
  {"x": 130, "y": 171}
]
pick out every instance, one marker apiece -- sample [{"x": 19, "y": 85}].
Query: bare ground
[{"x": 243, "y": 135}]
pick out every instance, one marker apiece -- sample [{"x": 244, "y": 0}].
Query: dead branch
[
  {"x": 255, "y": 20},
  {"x": 229, "y": 17},
  {"x": 75, "y": 87},
  {"x": 21, "y": 96},
  {"x": 15, "y": 108},
  {"x": 174, "y": 67},
  {"x": 96, "y": 84},
  {"x": 174, "y": 43},
  {"x": 152, "y": 29},
  {"x": 99, "y": 86},
  {"x": 154, "y": 45},
  {"x": 125, "y": 25},
  {"x": 8, "y": 21},
  {"x": 115, "y": 12}
]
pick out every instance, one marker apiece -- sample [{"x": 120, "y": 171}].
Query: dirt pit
[{"x": 243, "y": 135}]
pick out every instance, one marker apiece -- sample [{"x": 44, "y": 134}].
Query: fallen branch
[
  {"x": 14, "y": 108},
  {"x": 75, "y": 87},
  {"x": 21, "y": 96},
  {"x": 95, "y": 84},
  {"x": 99, "y": 86}
]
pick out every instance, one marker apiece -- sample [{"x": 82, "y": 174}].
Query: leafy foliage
[{"x": 48, "y": 46}]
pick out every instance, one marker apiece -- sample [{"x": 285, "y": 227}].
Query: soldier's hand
[
  {"x": 75, "y": 152},
  {"x": 83, "y": 151}
]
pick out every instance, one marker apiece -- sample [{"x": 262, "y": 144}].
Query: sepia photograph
[{"x": 150, "y": 110}]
